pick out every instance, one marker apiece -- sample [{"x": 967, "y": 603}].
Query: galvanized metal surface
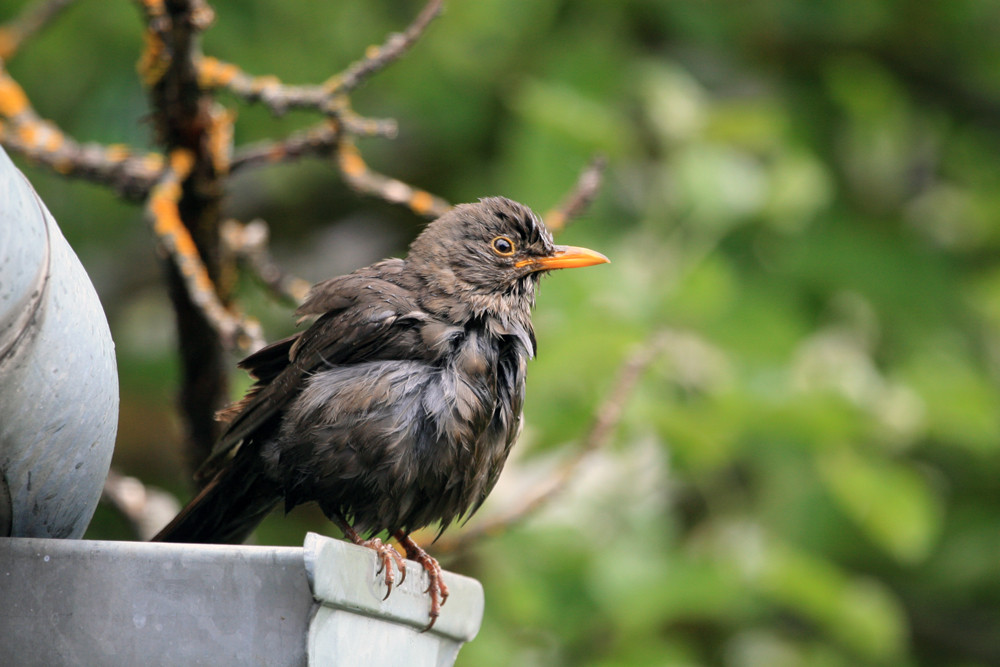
[
  {"x": 131, "y": 603},
  {"x": 345, "y": 579},
  {"x": 58, "y": 377}
]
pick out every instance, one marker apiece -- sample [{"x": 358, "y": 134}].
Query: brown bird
[{"x": 398, "y": 407}]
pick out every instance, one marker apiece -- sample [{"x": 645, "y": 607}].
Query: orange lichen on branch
[
  {"x": 350, "y": 160},
  {"x": 116, "y": 152},
  {"x": 220, "y": 137},
  {"x": 152, "y": 161},
  {"x": 42, "y": 141},
  {"x": 329, "y": 98},
  {"x": 422, "y": 202},
  {"x": 28, "y": 133},
  {"x": 170, "y": 229},
  {"x": 165, "y": 220},
  {"x": 360, "y": 177},
  {"x": 278, "y": 97},
  {"x": 154, "y": 60},
  {"x": 153, "y": 8},
  {"x": 181, "y": 163},
  {"x": 213, "y": 73},
  {"x": 13, "y": 100},
  {"x": 163, "y": 200}
]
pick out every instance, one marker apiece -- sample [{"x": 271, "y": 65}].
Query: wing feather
[{"x": 362, "y": 317}]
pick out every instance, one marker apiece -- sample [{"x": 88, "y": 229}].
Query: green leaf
[
  {"x": 892, "y": 503},
  {"x": 861, "y": 613}
]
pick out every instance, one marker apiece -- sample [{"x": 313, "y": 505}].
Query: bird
[{"x": 398, "y": 406}]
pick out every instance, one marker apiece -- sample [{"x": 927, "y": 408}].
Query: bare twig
[
  {"x": 331, "y": 97},
  {"x": 360, "y": 177},
  {"x": 279, "y": 97},
  {"x": 23, "y": 131},
  {"x": 146, "y": 508},
  {"x": 319, "y": 140},
  {"x": 268, "y": 90},
  {"x": 249, "y": 242},
  {"x": 577, "y": 201},
  {"x": 165, "y": 221},
  {"x": 33, "y": 18},
  {"x": 362, "y": 126},
  {"x": 606, "y": 419},
  {"x": 378, "y": 57}
]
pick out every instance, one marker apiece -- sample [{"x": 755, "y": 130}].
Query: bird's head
[{"x": 490, "y": 255}]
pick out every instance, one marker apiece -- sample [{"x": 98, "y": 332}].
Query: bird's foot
[
  {"x": 436, "y": 587},
  {"x": 387, "y": 555}
]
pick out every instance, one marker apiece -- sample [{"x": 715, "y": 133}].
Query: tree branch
[
  {"x": 319, "y": 140},
  {"x": 164, "y": 219},
  {"x": 33, "y": 18},
  {"x": 378, "y": 57},
  {"x": 360, "y": 177},
  {"x": 23, "y": 131},
  {"x": 146, "y": 508},
  {"x": 580, "y": 197},
  {"x": 329, "y": 98},
  {"x": 249, "y": 243},
  {"x": 200, "y": 280}
]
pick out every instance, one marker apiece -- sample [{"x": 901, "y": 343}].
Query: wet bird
[{"x": 396, "y": 409}]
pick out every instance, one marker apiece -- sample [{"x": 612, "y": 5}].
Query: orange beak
[{"x": 564, "y": 257}]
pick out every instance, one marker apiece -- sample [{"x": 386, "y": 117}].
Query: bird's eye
[{"x": 503, "y": 246}]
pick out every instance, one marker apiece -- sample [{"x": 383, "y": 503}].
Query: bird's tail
[{"x": 228, "y": 509}]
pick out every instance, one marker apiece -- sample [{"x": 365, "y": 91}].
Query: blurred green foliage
[{"x": 805, "y": 195}]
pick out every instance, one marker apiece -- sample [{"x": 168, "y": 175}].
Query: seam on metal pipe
[{"x": 27, "y": 319}]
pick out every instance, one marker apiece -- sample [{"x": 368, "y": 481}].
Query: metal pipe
[{"x": 58, "y": 377}]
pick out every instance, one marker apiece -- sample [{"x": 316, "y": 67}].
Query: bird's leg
[
  {"x": 386, "y": 553},
  {"x": 437, "y": 588}
]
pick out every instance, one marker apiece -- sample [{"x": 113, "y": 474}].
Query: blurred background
[{"x": 802, "y": 200}]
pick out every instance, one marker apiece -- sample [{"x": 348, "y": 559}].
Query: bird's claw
[
  {"x": 387, "y": 555},
  {"x": 436, "y": 588}
]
